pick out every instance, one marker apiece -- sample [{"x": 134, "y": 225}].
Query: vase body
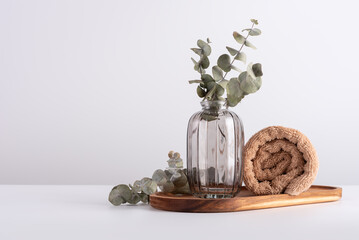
[{"x": 215, "y": 142}]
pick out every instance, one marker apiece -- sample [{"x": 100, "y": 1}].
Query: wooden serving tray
[{"x": 245, "y": 200}]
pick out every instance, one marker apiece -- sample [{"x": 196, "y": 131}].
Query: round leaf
[
  {"x": 234, "y": 92},
  {"x": 224, "y": 62},
  {"x": 253, "y": 32},
  {"x": 159, "y": 176},
  {"x": 241, "y": 57},
  {"x": 120, "y": 194},
  {"x": 204, "y": 62},
  {"x": 205, "y": 47},
  {"x": 257, "y": 70},
  {"x": 219, "y": 90},
  {"x": 248, "y": 44},
  {"x": 223, "y": 83},
  {"x": 239, "y": 38},
  {"x": 217, "y": 73},
  {"x": 149, "y": 187},
  {"x": 200, "y": 92},
  {"x": 232, "y": 51},
  {"x": 249, "y": 84}
]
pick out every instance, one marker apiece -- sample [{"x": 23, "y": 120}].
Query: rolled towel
[{"x": 279, "y": 160}]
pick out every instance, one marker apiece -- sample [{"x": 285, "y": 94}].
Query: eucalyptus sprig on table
[
  {"x": 212, "y": 87},
  {"x": 171, "y": 180}
]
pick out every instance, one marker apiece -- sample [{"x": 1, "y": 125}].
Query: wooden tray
[{"x": 245, "y": 200}]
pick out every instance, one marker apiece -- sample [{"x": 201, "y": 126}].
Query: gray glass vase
[{"x": 215, "y": 141}]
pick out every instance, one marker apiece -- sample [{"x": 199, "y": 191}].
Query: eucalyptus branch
[
  {"x": 239, "y": 51},
  {"x": 212, "y": 87}
]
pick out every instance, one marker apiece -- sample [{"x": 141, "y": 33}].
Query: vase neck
[{"x": 212, "y": 106}]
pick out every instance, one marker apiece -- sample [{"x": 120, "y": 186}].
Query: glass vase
[{"x": 215, "y": 141}]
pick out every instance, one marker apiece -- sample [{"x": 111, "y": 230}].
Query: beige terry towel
[{"x": 279, "y": 160}]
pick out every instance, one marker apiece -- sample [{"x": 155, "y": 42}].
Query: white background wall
[{"x": 96, "y": 92}]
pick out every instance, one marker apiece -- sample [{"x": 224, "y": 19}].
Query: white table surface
[{"x": 83, "y": 212}]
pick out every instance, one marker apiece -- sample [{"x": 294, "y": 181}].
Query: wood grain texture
[{"x": 245, "y": 200}]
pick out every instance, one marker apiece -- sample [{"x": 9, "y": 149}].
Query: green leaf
[
  {"x": 234, "y": 92},
  {"x": 194, "y": 61},
  {"x": 204, "y": 62},
  {"x": 205, "y": 47},
  {"x": 249, "y": 84},
  {"x": 136, "y": 186},
  {"x": 224, "y": 62},
  {"x": 248, "y": 44},
  {"x": 149, "y": 187},
  {"x": 196, "y": 65},
  {"x": 167, "y": 187},
  {"x": 200, "y": 92},
  {"x": 241, "y": 57},
  {"x": 217, "y": 73},
  {"x": 159, "y": 176},
  {"x": 223, "y": 83},
  {"x": 210, "y": 85},
  {"x": 206, "y": 78},
  {"x": 197, "y": 51},
  {"x": 253, "y": 32},
  {"x": 232, "y": 51},
  {"x": 120, "y": 194},
  {"x": 250, "y": 70},
  {"x": 254, "y": 21},
  {"x": 257, "y": 69},
  {"x": 235, "y": 68},
  {"x": 195, "y": 81},
  {"x": 219, "y": 90},
  {"x": 239, "y": 38}
]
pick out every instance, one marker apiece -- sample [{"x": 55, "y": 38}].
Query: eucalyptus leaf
[
  {"x": 168, "y": 187},
  {"x": 217, "y": 73},
  {"x": 197, "y": 51},
  {"x": 253, "y": 31},
  {"x": 248, "y": 44},
  {"x": 136, "y": 186},
  {"x": 204, "y": 62},
  {"x": 206, "y": 78},
  {"x": 143, "y": 197},
  {"x": 181, "y": 181},
  {"x": 159, "y": 176},
  {"x": 224, "y": 62},
  {"x": 120, "y": 194},
  {"x": 232, "y": 51},
  {"x": 205, "y": 47},
  {"x": 149, "y": 187},
  {"x": 235, "y": 68},
  {"x": 241, "y": 57},
  {"x": 134, "y": 199},
  {"x": 257, "y": 69},
  {"x": 250, "y": 70},
  {"x": 219, "y": 90},
  {"x": 239, "y": 38},
  {"x": 223, "y": 83},
  {"x": 195, "y": 81},
  {"x": 234, "y": 92},
  {"x": 200, "y": 92},
  {"x": 248, "y": 84},
  {"x": 210, "y": 85}
]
